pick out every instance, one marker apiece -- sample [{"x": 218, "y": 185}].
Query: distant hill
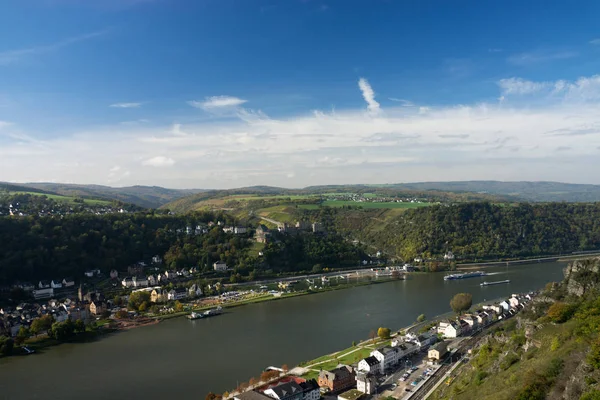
[
  {"x": 520, "y": 191},
  {"x": 144, "y": 196}
]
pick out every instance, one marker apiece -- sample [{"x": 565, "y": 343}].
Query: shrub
[
  {"x": 509, "y": 360},
  {"x": 560, "y": 312},
  {"x": 591, "y": 395},
  {"x": 479, "y": 377},
  {"x": 555, "y": 368}
]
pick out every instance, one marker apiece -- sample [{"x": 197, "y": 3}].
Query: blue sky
[{"x": 228, "y": 93}]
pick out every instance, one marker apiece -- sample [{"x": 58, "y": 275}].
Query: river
[{"x": 190, "y": 358}]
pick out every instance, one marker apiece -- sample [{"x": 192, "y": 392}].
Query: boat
[
  {"x": 466, "y": 275},
  {"x": 27, "y": 350},
  {"x": 208, "y": 313},
  {"x": 494, "y": 283}
]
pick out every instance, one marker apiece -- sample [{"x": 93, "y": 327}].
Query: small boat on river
[
  {"x": 494, "y": 283},
  {"x": 208, "y": 313}
]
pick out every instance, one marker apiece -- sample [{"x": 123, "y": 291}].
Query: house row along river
[{"x": 190, "y": 358}]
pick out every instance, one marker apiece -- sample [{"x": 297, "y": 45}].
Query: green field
[
  {"x": 65, "y": 199},
  {"x": 333, "y": 203},
  {"x": 272, "y": 197}
]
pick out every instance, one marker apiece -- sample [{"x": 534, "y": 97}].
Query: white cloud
[
  {"x": 582, "y": 89},
  {"x": 404, "y": 103},
  {"x": 12, "y": 56},
  {"x": 515, "y": 140},
  {"x": 595, "y": 42},
  {"x": 216, "y": 102},
  {"x": 521, "y": 86},
  {"x": 159, "y": 161},
  {"x": 537, "y": 57},
  {"x": 369, "y": 95},
  {"x": 126, "y": 105}
]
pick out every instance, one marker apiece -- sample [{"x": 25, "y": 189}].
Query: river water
[{"x": 190, "y": 358}]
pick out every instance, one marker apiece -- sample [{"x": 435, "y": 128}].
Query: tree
[
  {"x": 317, "y": 268},
  {"x": 383, "y": 333},
  {"x": 122, "y": 314},
  {"x": 136, "y": 299},
  {"x": 41, "y": 324},
  {"x": 6, "y": 346},
  {"x": 372, "y": 335},
  {"x": 22, "y": 335},
  {"x": 62, "y": 331},
  {"x": 213, "y": 396},
  {"x": 178, "y": 306},
  {"x": 560, "y": 312},
  {"x": 421, "y": 318},
  {"x": 79, "y": 326},
  {"x": 461, "y": 302}
]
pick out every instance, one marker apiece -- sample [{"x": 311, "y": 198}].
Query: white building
[
  {"x": 55, "y": 284},
  {"x": 369, "y": 364},
  {"x": 449, "y": 329},
  {"x": 366, "y": 382},
  {"x": 177, "y": 294},
  {"x": 220, "y": 266},
  {"x": 140, "y": 281},
  {"x": 45, "y": 293},
  {"x": 387, "y": 356},
  {"x": 238, "y": 230},
  {"x": 127, "y": 282},
  {"x": 68, "y": 282}
]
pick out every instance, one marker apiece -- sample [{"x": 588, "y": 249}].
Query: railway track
[{"x": 422, "y": 392}]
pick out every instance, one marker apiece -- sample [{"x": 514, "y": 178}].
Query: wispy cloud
[
  {"x": 583, "y": 89},
  {"x": 126, "y": 105},
  {"x": 12, "y": 56},
  {"x": 595, "y": 42},
  {"x": 536, "y": 57},
  {"x": 159, "y": 161},
  {"x": 494, "y": 50},
  {"x": 404, "y": 103},
  {"x": 518, "y": 139},
  {"x": 217, "y": 102},
  {"x": 521, "y": 86},
  {"x": 369, "y": 96}
]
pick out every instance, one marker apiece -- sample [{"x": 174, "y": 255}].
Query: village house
[
  {"x": 366, "y": 382},
  {"x": 449, "y": 256},
  {"x": 56, "y": 284},
  {"x": 43, "y": 285},
  {"x": 338, "y": 379},
  {"x": 91, "y": 273},
  {"x": 45, "y": 293},
  {"x": 369, "y": 364},
  {"x": 157, "y": 259},
  {"x": 449, "y": 329},
  {"x": 238, "y": 230},
  {"x": 114, "y": 274},
  {"x": 155, "y": 295},
  {"x": 97, "y": 307},
  {"x": 68, "y": 282},
  {"x": 294, "y": 389},
  {"x": 195, "y": 291},
  {"x": 127, "y": 282},
  {"x": 437, "y": 352},
  {"x": 317, "y": 227},
  {"x": 171, "y": 275},
  {"x": 228, "y": 229},
  {"x": 262, "y": 234},
  {"x": 219, "y": 266},
  {"x": 136, "y": 269},
  {"x": 177, "y": 294},
  {"x": 505, "y": 306},
  {"x": 151, "y": 280}
]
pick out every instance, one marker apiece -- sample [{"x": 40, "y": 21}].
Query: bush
[
  {"x": 560, "y": 312},
  {"x": 479, "y": 377},
  {"x": 555, "y": 368},
  {"x": 509, "y": 360},
  {"x": 6, "y": 346},
  {"x": 593, "y": 357},
  {"x": 591, "y": 395}
]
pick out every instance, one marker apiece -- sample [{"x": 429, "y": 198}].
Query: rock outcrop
[{"x": 582, "y": 275}]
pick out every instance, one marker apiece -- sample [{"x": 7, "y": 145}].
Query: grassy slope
[{"x": 65, "y": 199}]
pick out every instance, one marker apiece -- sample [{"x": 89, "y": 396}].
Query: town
[{"x": 408, "y": 363}]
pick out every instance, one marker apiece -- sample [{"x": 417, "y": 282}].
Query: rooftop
[{"x": 352, "y": 394}]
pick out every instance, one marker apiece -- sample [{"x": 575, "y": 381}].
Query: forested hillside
[
  {"x": 474, "y": 230},
  {"x": 54, "y": 247}
]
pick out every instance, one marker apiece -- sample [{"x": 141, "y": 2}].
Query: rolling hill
[{"x": 143, "y": 196}]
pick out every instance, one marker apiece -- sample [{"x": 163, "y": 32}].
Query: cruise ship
[{"x": 465, "y": 275}]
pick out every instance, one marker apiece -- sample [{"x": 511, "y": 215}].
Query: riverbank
[{"x": 524, "y": 261}]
